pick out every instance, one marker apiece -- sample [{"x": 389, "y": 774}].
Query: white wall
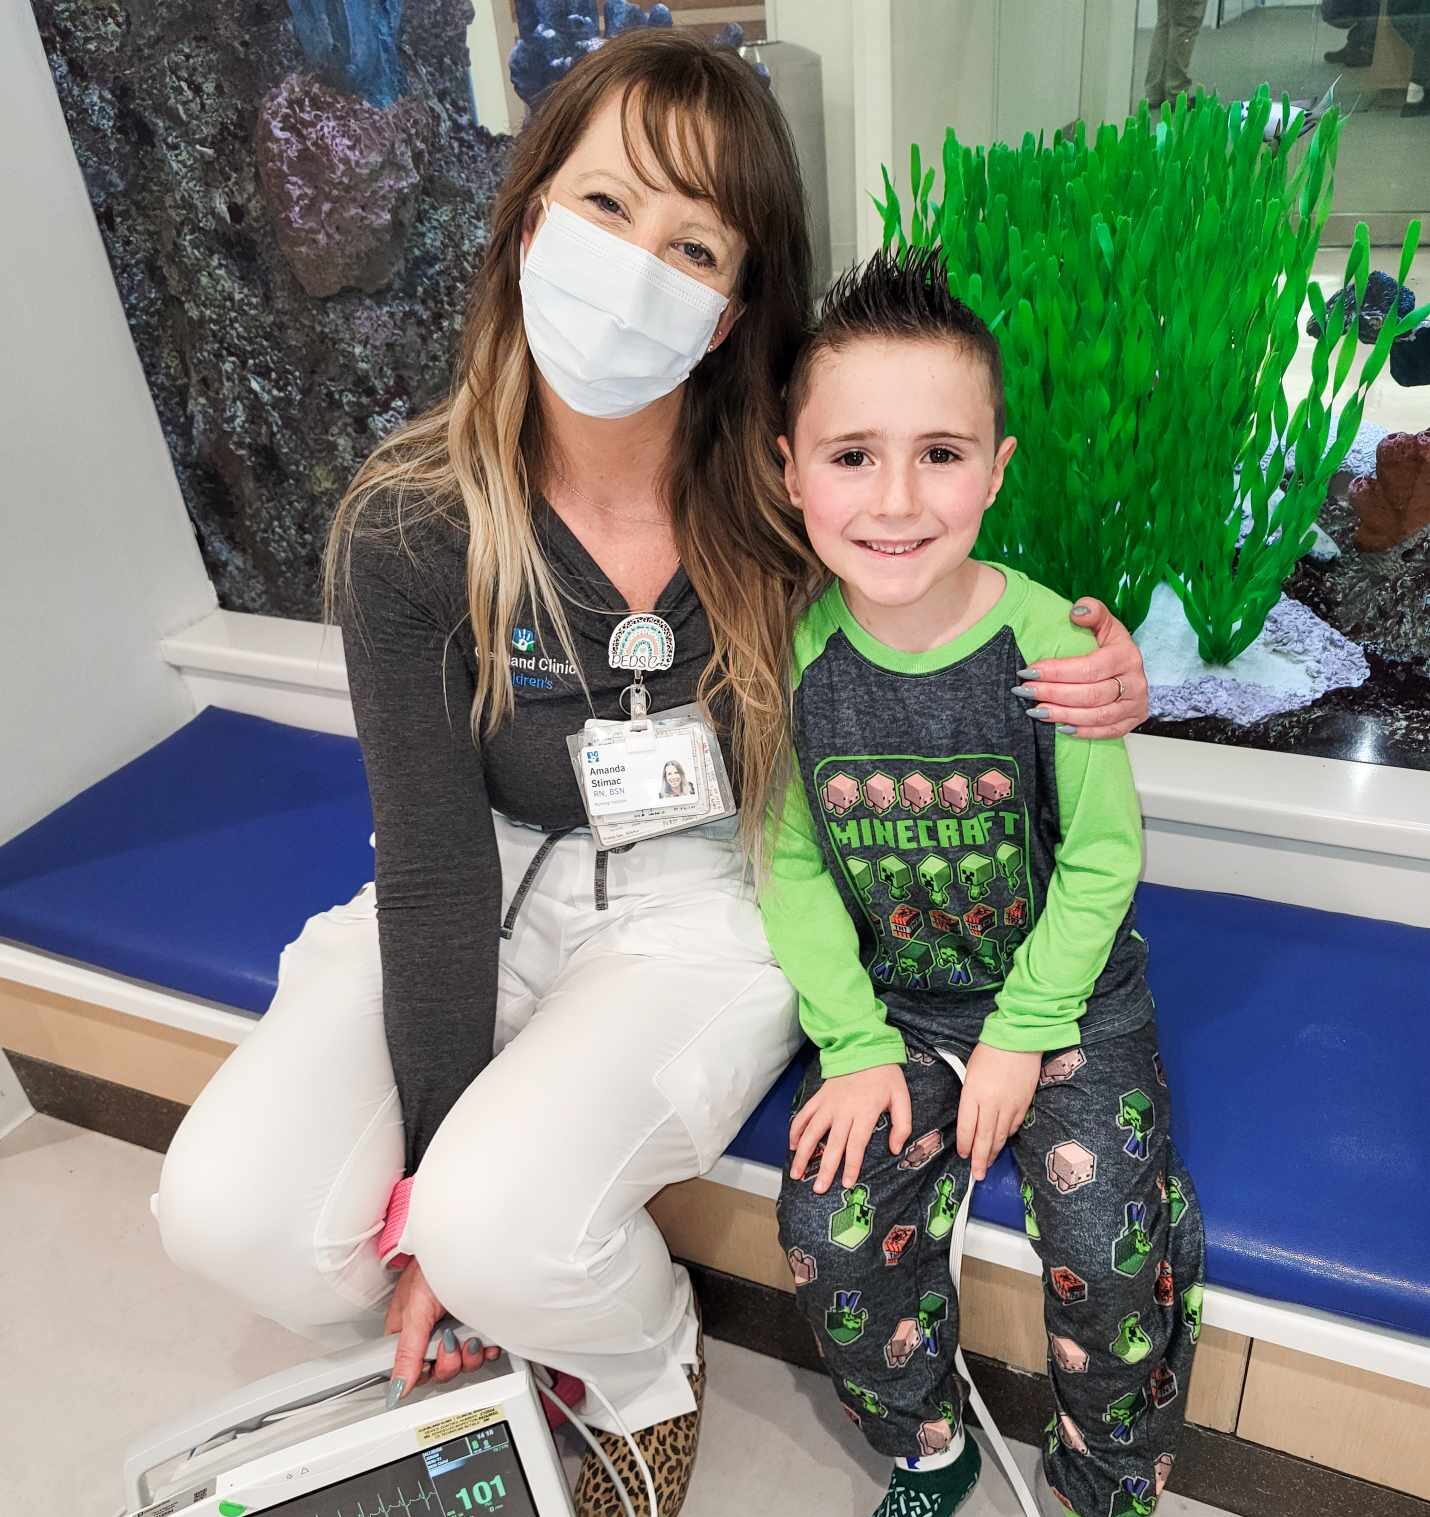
[{"x": 97, "y": 559}]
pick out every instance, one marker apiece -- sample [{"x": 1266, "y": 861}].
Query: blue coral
[
  {"x": 352, "y": 45},
  {"x": 553, "y": 34}
]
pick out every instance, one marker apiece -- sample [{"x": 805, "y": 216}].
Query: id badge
[
  {"x": 644, "y": 778},
  {"x": 656, "y": 773}
]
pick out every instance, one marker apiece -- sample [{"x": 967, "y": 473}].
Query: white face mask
[{"x": 611, "y": 327}]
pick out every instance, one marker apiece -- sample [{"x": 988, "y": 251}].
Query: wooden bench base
[{"x": 133, "y": 1077}]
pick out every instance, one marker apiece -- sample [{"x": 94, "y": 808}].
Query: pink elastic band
[
  {"x": 393, "y": 1227},
  {"x": 566, "y": 1388}
]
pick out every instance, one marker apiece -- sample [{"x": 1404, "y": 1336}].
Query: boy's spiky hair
[{"x": 901, "y": 297}]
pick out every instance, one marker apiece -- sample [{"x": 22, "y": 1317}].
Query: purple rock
[{"x": 341, "y": 179}]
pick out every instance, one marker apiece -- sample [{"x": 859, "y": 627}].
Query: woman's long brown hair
[{"x": 714, "y": 132}]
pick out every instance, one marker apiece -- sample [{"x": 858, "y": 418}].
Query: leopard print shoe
[{"x": 668, "y": 1448}]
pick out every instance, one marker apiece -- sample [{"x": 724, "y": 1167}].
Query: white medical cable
[
  {"x": 540, "y": 1374},
  {"x": 955, "y": 1268}
]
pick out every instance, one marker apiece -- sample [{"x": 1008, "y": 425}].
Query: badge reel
[{"x": 658, "y": 772}]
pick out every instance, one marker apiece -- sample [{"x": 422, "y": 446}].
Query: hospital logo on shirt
[{"x": 532, "y": 673}]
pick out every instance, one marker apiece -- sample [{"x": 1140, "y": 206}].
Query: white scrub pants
[{"x": 632, "y": 1043}]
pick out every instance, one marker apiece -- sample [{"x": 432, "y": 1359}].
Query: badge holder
[{"x": 660, "y": 771}]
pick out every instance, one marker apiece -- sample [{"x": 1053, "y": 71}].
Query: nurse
[{"x": 476, "y": 1073}]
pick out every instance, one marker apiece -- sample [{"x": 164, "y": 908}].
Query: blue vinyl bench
[{"x": 1296, "y": 1039}]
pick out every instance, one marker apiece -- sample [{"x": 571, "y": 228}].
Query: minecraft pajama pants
[{"x": 1113, "y": 1217}]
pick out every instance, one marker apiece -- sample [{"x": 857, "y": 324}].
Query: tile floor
[
  {"x": 1384, "y": 161},
  {"x": 103, "y": 1339}
]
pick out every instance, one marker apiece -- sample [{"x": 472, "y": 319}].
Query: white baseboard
[
  {"x": 1324, "y": 833},
  {"x": 135, "y": 998}
]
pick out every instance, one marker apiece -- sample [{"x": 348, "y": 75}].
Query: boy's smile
[{"x": 893, "y": 463}]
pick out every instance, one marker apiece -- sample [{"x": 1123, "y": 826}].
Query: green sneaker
[{"x": 932, "y": 1493}]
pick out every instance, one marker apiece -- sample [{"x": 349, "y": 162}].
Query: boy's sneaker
[{"x": 932, "y": 1493}]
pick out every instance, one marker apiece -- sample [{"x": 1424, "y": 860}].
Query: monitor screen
[{"x": 474, "y": 1476}]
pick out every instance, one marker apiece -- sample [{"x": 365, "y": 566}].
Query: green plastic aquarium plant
[{"x": 1146, "y": 290}]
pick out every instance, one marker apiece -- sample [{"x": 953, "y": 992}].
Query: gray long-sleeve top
[{"x": 411, "y": 669}]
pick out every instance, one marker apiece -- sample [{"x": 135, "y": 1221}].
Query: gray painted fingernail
[
  {"x": 1028, "y": 674},
  {"x": 449, "y": 1340},
  {"x": 473, "y": 1345},
  {"x": 1025, "y": 692},
  {"x": 1039, "y": 713},
  {"x": 395, "y": 1388},
  {"x": 1067, "y": 731}
]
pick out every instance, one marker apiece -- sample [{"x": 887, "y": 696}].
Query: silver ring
[{"x": 1121, "y": 693}]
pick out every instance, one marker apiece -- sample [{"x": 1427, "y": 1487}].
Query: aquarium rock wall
[{"x": 293, "y": 199}]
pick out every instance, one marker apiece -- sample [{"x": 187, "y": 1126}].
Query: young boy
[{"x": 948, "y": 872}]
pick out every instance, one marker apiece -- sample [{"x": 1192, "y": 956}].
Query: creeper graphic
[
  {"x": 1131, "y": 1345},
  {"x": 1176, "y": 1199},
  {"x": 914, "y": 961},
  {"x": 975, "y": 874},
  {"x": 868, "y": 1400},
  {"x": 943, "y": 1209},
  {"x": 1137, "y": 1116},
  {"x": 932, "y": 1314},
  {"x": 1030, "y": 1217},
  {"x": 1123, "y": 1412},
  {"x": 1192, "y": 1310},
  {"x": 861, "y": 877},
  {"x": 850, "y": 1226},
  {"x": 1009, "y": 859},
  {"x": 896, "y": 874},
  {"x": 1130, "y": 1499},
  {"x": 1132, "y": 1246},
  {"x": 936, "y": 876},
  {"x": 951, "y": 953},
  {"x": 989, "y": 953},
  {"x": 845, "y": 1320}
]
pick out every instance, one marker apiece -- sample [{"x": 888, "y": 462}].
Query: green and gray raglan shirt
[{"x": 942, "y": 863}]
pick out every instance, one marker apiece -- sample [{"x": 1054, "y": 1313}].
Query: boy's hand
[
  {"x": 843, "y": 1112},
  {"x": 996, "y": 1097}
]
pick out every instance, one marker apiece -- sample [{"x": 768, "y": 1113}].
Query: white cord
[
  {"x": 540, "y": 1376},
  {"x": 625, "y": 1433},
  {"x": 955, "y": 1268}
]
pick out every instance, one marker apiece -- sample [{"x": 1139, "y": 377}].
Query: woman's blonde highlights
[{"x": 477, "y": 457}]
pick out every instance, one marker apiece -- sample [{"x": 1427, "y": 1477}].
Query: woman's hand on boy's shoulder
[
  {"x": 1097, "y": 694},
  {"x": 841, "y": 1116}
]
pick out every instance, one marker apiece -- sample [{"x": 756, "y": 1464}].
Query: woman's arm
[
  {"x": 1083, "y": 692},
  {"x": 438, "y": 870}
]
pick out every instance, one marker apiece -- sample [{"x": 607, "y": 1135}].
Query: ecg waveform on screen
[{"x": 429, "y": 1500}]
